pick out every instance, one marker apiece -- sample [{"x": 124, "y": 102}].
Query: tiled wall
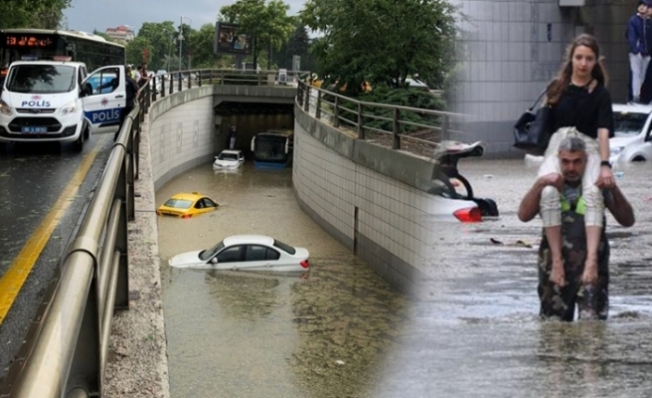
[
  {"x": 181, "y": 138},
  {"x": 513, "y": 47},
  {"x": 392, "y": 216}
]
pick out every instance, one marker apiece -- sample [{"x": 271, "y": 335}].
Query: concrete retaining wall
[{"x": 368, "y": 197}]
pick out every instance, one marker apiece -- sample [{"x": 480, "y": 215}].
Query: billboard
[{"x": 229, "y": 41}]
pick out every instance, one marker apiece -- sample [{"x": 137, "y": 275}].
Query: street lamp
[{"x": 181, "y": 40}]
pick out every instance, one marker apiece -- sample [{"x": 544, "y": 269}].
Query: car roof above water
[
  {"x": 633, "y": 108},
  {"x": 249, "y": 239}
]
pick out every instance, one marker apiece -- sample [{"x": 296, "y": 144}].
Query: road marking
[{"x": 13, "y": 280}]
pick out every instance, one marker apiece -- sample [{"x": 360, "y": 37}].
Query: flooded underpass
[
  {"x": 324, "y": 333},
  {"x": 340, "y": 331}
]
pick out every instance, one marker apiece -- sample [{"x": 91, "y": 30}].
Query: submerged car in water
[
  {"x": 187, "y": 205},
  {"x": 632, "y": 128},
  {"x": 247, "y": 253},
  {"x": 228, "y": 160}
]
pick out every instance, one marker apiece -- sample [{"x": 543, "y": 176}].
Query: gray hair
[{"x": 572, "y": 144}]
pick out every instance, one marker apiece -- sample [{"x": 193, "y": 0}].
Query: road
[{"x": 39, "y": 200}]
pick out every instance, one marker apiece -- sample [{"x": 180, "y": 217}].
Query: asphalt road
[{"x": 32, "y": 178}]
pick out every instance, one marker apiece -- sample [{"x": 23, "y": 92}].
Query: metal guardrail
[
  {"x": 356, "y": 116},
  {"x": 65, "y": 352}
]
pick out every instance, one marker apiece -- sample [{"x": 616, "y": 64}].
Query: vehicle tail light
[
  {"x": 471, "y": 214},
  {"x": 186, "y": 216},
  {"x": 305, "y": 264}
]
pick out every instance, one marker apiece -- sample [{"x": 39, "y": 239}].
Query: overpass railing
[{"x": 416, "y": 130}]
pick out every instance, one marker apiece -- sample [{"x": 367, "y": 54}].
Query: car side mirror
[
  {"x": 87, "y": 90},
  {"x": 214, "y": 260}
]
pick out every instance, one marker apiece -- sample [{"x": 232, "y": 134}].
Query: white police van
[{"x": 47, "y": 101}]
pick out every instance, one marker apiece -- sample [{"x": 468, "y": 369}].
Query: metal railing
[
  {"x": 65, "y": 352},
  {"x": 392, "y": 125}
]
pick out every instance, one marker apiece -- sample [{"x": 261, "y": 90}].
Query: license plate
[{"x": 34, "y": 130}]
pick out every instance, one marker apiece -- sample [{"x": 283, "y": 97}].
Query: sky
[{"x": 88, "y": 15}]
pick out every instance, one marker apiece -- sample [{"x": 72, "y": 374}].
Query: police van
[{"x": 50, "y": 101}]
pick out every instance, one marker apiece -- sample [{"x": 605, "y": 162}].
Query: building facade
[
  {"x": 511, "y": 48},
  {"x": 121, "y": 34}
]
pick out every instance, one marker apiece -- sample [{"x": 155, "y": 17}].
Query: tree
[
  {"x": 134, "y": 50},
  {"x": 298, "y": 44},
  {"x": 201, "y": 46},
  {"x": 162, "y": 39},
  {"x": 44, "y": 14},
  {"x": 382, "y": 41},
  {"x": 268, "y": 23}
]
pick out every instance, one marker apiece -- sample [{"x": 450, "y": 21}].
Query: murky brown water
[
  {"x": 476, "y": 334},
  {"x": 235, "y": 334}
]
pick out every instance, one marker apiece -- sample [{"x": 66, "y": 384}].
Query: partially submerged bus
[
  {"x": 273, "y": 149},
  {"x": 57, "y": 45}
]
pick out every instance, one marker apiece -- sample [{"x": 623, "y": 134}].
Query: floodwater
[{"x": 340, "y": 331}]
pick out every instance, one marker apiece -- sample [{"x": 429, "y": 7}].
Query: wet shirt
[{"x": 584, "y": 110}]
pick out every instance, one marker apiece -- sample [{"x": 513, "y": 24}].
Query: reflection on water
[{"x": 322, "y": 333}]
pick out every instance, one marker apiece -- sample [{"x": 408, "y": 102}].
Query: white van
[{"x": 46, "y": 101}]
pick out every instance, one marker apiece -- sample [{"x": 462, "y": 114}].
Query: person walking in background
[
  {"x": 639, "y": 55},
  {"x": 232, "y": 135}
]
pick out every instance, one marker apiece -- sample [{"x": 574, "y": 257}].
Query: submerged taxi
[{"x": 187, "y": 205}]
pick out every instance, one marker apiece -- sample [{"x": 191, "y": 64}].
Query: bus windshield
[
  {"x": 271, "y": 147},
  {"x": 41, "y": 79}
]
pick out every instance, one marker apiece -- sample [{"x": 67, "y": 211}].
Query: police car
[{"x": 58, "y": 101}]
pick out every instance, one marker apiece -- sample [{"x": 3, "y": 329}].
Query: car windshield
[
  {"x": 41, "y": 79},
  {"x": 178, "y": 203},
  {"x": 206, "y": 255},
  {"x": 284, "y": 247},
  {"x": 227, "y": 156},
  {"x": 628, "y": 124}
]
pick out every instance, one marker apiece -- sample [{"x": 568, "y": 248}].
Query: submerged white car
[
  {"x": 228, "y": 160},
  {"x": 631, "y": 141},
  {"x": 246, "y": 253}
]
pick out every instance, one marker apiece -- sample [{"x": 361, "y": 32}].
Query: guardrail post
[
  {"x": 318, "y": 108},
  {"x": 396, "y": 129},
  {"x": 444, "y": 128},
  {"x": 171, "y": 84},
  {"x": 155, "y": 90},
  {"x": 180, "y": 82},
  {"x": 163, "y": 86},
  {"x": 199, "y": 76},
  {"x": 336, "y": 112},
  {"x": 360, "y": 122},
  {"x": 306, "y": 105}
]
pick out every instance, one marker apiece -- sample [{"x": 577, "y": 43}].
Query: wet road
[
  {"x": 32, "y": 178},
  {"x": 475, "y": 332}
]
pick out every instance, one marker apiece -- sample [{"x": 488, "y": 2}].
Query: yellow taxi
[{"x": 187, "y": 205}]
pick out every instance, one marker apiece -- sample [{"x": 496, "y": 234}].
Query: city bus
[
  {"x": 57, "y": 45},
  {"x": 273, "y": 149}
]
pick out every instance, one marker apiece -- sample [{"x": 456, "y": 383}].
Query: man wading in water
[{"x": 586, "y": 288}]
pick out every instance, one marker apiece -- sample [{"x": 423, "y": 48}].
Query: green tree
[
  {"x": 268, "y": 23},
  {"x": 201, "y": 46},
  {"x": 135, "y": 50},
  {"x": 44, "y": 14},
  {"x": 382, "y": 41},
  {"x": 103, "y": 35},
  {"x": 162, "y": 39},
  {"x": 298, "y": 44}
]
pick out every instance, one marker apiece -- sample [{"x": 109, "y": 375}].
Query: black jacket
[{"x": 132, "y": 90}]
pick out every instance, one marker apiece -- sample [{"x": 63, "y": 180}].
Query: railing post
[
  {"x": 180, "y": 82},
  {"x": 336, "y": 112},
  {"x": 360, "y": 122},
  {"x": 306, "y": 105},
  {"x": 397, "y": 137},
  {"x": 444, "y": 128},
  {"x": 318, "y": 108},
  {"x": 199, "y": 73},
  {"x": 155, "y": 89},
  {"x": 163, "y": 86},
  {"x": 121, "y": 242}
]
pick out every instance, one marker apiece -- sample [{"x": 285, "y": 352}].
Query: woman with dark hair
[{"x": 580, "y": 107}]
